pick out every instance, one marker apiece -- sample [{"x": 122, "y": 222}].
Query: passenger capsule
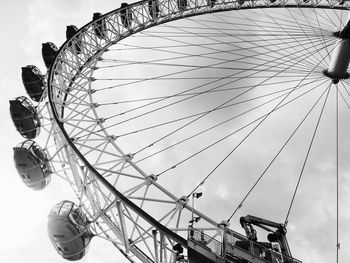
[
  {"x": 33, "y": 82},
  {"x": 68, "y": 229},
  {"x": 32, "y": 164},
  {"x": 25, "y": 117},
  {"x": 182, "y": 4},
  {"x": 211, "y": 3},
  {"x": 70, "y": 32},
  {"x": 125, "y": 15},
  {"x": 49, "y": 51},
  {"x": 100, "y": 28},
  {"x": 153, "y": 8}
]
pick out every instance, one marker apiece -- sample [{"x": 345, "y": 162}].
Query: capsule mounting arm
[{"x": 278, "y": 235}]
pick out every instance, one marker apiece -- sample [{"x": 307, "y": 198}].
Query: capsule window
[
  {"x": 49, "y": 51},
  {"x": 71, "y": 229},
  {"x": 70, "y": 32},
  {"x": 33, "y": 81},
  {"x": 30, "y": 162},
  {"x": 99, "y": 26},
  {"x": 125, "y": 15},
  {"x": 153, "y": 8},
  {"x": 182, "y": 4},
  {"x": 25, "y": 117},
  {"x": 77, "y": 233}
]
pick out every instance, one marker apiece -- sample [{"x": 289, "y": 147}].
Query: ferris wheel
[{"x": 175, "y": 120}]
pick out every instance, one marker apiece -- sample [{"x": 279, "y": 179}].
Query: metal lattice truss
[{"x": 118, "y": 196}]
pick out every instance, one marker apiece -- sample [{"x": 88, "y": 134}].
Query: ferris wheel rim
[{"x": 61, "y": 123}]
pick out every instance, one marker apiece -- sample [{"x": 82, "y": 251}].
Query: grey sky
[
  {"x": 25, "y": 24},
  {"x": 28, "y": 23}
]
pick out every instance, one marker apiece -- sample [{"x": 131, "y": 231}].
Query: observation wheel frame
[{"x": 81, "y": 131}]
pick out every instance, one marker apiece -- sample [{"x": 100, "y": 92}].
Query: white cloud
[{"x": 24, "y": 219}]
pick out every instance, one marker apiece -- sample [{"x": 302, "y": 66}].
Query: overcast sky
[{"x": 25, "y": 24}]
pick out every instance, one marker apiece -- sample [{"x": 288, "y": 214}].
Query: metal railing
[
  {"x": 235, "y": 245},
  {"x": 210, "y": 243},
  {"x": 269, "y": 252}
]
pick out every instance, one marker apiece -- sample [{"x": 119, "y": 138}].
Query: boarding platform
[{"x": 232, "y": 247}]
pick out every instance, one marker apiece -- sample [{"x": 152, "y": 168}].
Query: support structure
[
  {"x": 341, "y": 56},
  {"x": 96, "y": 164}
]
